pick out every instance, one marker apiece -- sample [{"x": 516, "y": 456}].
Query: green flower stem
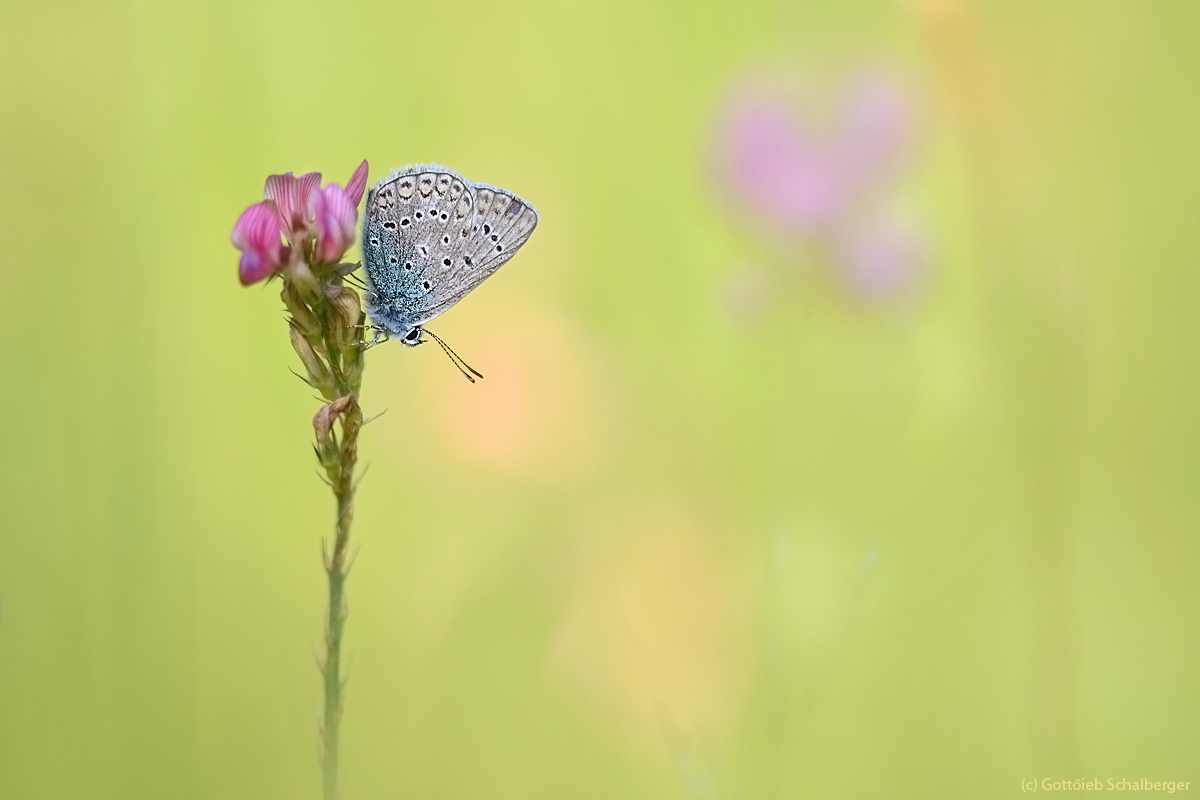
[
  {"x": 336, "y": 569},
  {"x": 324, "y": 315}
]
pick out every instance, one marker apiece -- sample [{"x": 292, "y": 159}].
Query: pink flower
[
  {"x": 825, "y": 185},
  {"x": 257, "y": 235},
  {"x": 878, "y": 257},
  {"x": 781, "y": 170},
  {"x": 303, "y": 212},
  {"x": 803, "y": 177}
]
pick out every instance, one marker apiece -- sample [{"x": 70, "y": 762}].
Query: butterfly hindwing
[{"x": 500, "y": 223}]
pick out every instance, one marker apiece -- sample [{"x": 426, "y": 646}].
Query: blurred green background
[{"x": 924, "y": 545}]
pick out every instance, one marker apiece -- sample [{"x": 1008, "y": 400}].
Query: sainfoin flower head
[{"x": 316, "y": 221}]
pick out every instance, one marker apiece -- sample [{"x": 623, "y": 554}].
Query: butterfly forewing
[{"x": 431, "y": 236}]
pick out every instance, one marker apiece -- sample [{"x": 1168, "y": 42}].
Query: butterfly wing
[
  {"x": 432, "y": 236},
  {"x": 501, "y": 223}
]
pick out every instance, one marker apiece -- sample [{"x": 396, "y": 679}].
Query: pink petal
[
  {"x": 356, "y": 184},
  {"x": 258, "y": 229},
  {"x": 252, "y": 268},
  {"x": 282, "y": 191},
  {"x": 334, "y": 217},
  {"x": 308, "y": 185},
  {"x": 256, "y": 234},
  {"x": 292, "y": 196}
]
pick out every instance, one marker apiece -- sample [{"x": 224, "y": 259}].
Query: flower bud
[
  {"x": 348, "y": 307},
  {"x": 323, "y": 421},
  {"x": 352, "y": 359},
  {"x": 301, "y": 314},
  {"x": 317, "y": 371},
  {"x": 306, "y": 282}
]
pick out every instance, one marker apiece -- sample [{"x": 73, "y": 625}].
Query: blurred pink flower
[
  {"x": 803, "y": 179},
  {"x": 300, "y": 210},
  {"x": 781, "y": 170},
  {"x": 818, "y": 183},
  {"x": 879, "y": 257}
]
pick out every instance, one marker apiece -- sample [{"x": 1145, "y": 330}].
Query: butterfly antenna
[{"x": 456, "y": 358}]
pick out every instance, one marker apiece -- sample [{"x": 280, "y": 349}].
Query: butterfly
[{"x": 429, "y": 237}]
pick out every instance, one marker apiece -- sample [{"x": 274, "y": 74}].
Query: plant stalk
[
  {"x": 323, "y": 333},
  {"x": 336, "y": 568}
]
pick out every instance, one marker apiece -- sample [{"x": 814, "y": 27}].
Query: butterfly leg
[{"x": 381, "y": 335}]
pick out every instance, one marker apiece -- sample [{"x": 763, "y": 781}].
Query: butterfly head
[{"x": 413, "y": 337}]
